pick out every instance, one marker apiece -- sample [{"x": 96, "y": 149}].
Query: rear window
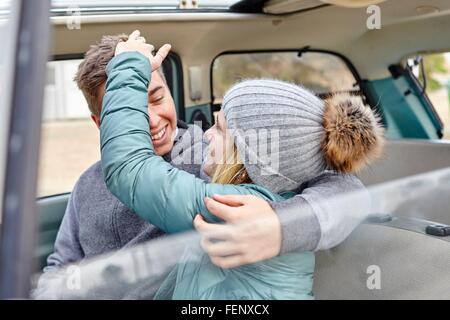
[{"x": 324, "y": 73}]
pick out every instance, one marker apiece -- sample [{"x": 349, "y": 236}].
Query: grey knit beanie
[
  {"x": 277, "y": 128},
  {"x": 286, "y": 135}
]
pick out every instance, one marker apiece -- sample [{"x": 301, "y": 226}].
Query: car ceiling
[{"x": 407, "y": 26}]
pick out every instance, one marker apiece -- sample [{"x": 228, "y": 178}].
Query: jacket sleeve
[
  {"x": 326, "y": 211},
  {"x": 161, "y": 194}
]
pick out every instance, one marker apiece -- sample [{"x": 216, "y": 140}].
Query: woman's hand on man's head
[
  {"x": 251, "y": 233},
  {"x": 138, "y": 43}
]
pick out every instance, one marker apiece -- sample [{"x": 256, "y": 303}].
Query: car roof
[{"x": 407, "y": 26}]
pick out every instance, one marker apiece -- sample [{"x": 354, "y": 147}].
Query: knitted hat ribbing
[{"x": 278, "y": 128}]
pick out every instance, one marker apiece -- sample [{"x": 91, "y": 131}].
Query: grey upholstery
[
  {"x": 50, "y": 213},
  {"x": 404, "y": 158},
  {"x": 412, "y": 266}
]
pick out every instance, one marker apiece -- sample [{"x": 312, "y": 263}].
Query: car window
[
  {"x": 69, "y": 138},
  {"x": 324, "y": 73},
  {"x": 436, "y": 68}
]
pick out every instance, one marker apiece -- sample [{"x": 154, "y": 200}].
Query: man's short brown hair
[{"x": 91, "y": 74}]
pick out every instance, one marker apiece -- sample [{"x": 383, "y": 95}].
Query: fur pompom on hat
[
  {"x": 353, "y": 135},
  {"x": 286, "y": 135}
]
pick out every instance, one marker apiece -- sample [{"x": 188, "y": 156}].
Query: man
[{"x": 96, "y": 222}]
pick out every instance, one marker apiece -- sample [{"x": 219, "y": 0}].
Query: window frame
[
  {"x": 428, "y": 103},
  {"x": 403, "y": 69},
  {"x": 362, "y": 83},
  {"x": 175, "y": 84},
  {"x": 169, "y": 74}
]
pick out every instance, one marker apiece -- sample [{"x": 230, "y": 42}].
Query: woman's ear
[{"x": 96, "y": 119}]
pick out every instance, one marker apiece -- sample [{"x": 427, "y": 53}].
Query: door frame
[{"x": 18, "y": 228}]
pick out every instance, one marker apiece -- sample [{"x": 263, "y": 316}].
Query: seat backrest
[
  {"x": 403, "y": 158},
  {"x": 50, "y": 213},
  {"x": 410, "y": 265}
]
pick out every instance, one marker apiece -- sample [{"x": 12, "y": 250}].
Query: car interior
[{"x": 201, "y": 38}]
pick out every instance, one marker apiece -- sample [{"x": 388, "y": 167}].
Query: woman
[{"x": 305, "y": 136}]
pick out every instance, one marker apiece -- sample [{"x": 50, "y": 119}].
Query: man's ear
[{"x": 96, "y": 119}]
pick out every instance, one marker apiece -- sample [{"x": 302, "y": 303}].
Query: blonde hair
[{"x": 232, "y": 169}]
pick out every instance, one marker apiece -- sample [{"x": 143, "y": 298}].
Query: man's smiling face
[
  {"x": 163, "y": 117},
  {"x": 161, "y": 110}
]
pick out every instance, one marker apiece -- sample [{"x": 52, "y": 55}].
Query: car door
[{"x": 27, "y": 24}]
